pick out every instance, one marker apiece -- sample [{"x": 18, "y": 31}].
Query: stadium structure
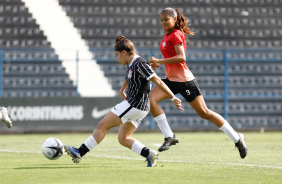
[{"x": 63, "y": 49}]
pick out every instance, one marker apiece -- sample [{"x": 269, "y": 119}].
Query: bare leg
[
  {"x": 125, "y": 139},
  {"x": 202, "y": 110},
  {"x": 124, "y": 134},
  {"x": 200, "y": 107},
  {"x": 109, "y": 121},
  {"x": 156, "y": 96}
]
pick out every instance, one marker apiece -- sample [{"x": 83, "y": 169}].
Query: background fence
[{"x": 243, "y": 85}]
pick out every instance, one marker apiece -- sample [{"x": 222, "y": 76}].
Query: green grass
[{"x": 198, "y": 158}]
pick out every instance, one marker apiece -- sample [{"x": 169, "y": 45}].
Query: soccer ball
[{"x": 52, "y": 148}]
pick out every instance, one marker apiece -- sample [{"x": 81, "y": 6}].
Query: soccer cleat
[
  {"x": 168, "y": 142},
  {"x": 73, "y": 152},
  {"x": 241, "y": 145},
  {"x": 152, "y": 158},
  {"x": 5, "y": 118}
]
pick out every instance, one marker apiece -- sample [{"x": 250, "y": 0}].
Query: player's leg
[
  {"x": 109, "y": 121},
  {"x": 4, "y": 117},
  {"x": 125, "y": 139},
  {"x": 124, "y": 134},
  {"x": 200, "y": 107},
  {"x": 202, "y": 110},
  {"x": 157, "y": 112}
]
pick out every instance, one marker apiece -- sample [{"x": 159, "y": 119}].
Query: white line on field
[
  {"x": 14, "y": 151},
  {"x": 173, "y": 161}
]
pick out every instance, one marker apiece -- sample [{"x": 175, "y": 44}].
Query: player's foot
[
  {"x": 5, "y": 118},
  {"x": 168, "y": 142},
  {"x": 152, "y": 158},
  {"x": 73, "y": 152},
  {"x": 241, "y": 145}
]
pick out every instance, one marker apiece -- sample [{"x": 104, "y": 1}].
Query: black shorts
[{"x": 189, "y": 90}]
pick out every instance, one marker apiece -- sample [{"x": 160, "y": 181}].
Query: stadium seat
[{"x": 218, "y": 24}]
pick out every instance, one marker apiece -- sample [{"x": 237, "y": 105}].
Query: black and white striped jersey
[{"x": 137, "y": 77}]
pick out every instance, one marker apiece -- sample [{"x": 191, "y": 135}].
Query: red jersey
[{"x": 178, "y": 72}]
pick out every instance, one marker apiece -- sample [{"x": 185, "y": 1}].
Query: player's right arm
[
  {"x": 178, "y": 58},
  {"x": 122, "y": 90}
]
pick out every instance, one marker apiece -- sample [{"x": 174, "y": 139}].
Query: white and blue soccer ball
[{"x": 52, "y": 148}]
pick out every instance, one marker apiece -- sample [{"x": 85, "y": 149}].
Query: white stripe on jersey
[{"x": 137, "y": 76}]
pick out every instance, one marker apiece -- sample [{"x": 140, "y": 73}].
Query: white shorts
[{"x": 127, "y": 113}]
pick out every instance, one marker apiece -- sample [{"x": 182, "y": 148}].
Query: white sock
[
  {"x": 137, "y": 147},
  {"x": 228, "y": 130},
  {"x": 163, "y": 125},
  {"x": 90, "y": 143}
]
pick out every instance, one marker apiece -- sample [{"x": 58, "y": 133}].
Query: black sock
[
  {"x": 83, "y": 150},
  {"x": 145, "y": 152}
]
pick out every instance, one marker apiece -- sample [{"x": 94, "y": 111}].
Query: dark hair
[
  {"x": 124, "y": 44},
  {"x": 181, "y": 22}
]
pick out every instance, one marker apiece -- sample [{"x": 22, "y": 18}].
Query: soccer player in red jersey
[{"x": 181, "y": 80}]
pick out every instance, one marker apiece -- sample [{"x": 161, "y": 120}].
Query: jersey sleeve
[
  {"x": 145, "y": 70},
  {"x": 177, "y": 38}
]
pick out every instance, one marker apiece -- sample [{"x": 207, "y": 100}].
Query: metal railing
[{"x": 193, "y": 55}]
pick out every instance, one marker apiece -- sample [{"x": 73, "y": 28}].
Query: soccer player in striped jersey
[
  {"x": 181, "y": 80},
  {"x": 135, "y": 105}
]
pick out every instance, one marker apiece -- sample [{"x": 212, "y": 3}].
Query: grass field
[{"x": 198, "y": 158}]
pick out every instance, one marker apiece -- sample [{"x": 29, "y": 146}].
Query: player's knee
[
  {"x": 101, "y": 127},
  {"x": 121, "y": 139},
  {"x": 204, "y": 114},
  {"x": 153, "y": 100}
]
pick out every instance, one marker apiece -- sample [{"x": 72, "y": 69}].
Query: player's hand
[
  {"x": 155, "y": 65},
  {"x": 177, "y": 103},
  {"x": 154, "y": 62}
]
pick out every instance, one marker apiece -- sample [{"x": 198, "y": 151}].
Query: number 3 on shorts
[{"x": 188, "y": 92}]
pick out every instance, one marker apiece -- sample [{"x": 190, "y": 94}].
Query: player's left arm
[{"x": 178, "y": 58}]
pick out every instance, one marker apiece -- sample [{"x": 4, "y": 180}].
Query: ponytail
[
  {"x": 182, "y": 24},
  {"x": 124, "y": 44}
]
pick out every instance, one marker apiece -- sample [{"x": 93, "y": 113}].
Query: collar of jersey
[
  {"x": 134, "y": 58},
  {"x": 170, "y": 32}
]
